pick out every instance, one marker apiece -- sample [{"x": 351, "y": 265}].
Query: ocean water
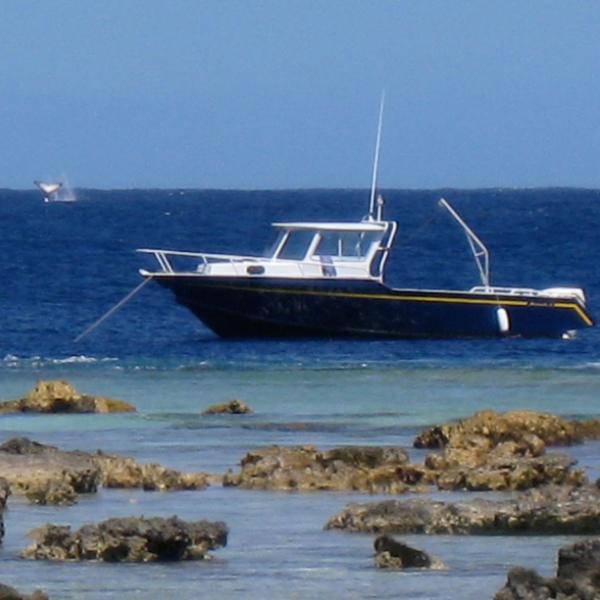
[{"x": 66, "y": 264}]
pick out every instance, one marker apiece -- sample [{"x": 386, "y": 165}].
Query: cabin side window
[
  {"x": 346, "y": 244},
  {"x": 296, "y": 245}
]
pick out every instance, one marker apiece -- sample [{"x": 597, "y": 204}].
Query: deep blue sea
[{"x": 65, "y": 264}]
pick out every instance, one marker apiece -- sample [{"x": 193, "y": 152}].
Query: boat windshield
[
  {"x": 346, "y": 244},
  {"x": 296, "y": 245}
]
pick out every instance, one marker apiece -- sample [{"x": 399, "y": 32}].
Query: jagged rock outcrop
[
  {"x": 10, "y": 593},
  {"x": 233, "y": 407},
  {"x": 129, "y": 539},
  {"x": 392, "y": 554},
  {"x": 47, "y": 475},
  {"x": 365, "y": 468},
  {"x": 577, "y": 577},
  {"x": 61, "y": 397},
  {"x": 497, "y": 451},
  {"x": 504, "y": 467},
  {"x": 124, "y": 472},
  {"x": 521, "y": 426},
  {"x": 555, "y": 510}
]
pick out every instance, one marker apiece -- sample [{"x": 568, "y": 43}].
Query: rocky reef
[
  {"x": 361, "y": 468},
  {"x": 577, "y": 577},
  {"x": 555, "y": 510},
  {"x": 61, "y": 397},
  {"x": 489, "y": 451},
  {"x": 129, "y": 539},
  {"x": 47, "y": 475}
]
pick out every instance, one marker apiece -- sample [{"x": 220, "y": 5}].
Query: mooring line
[{"x": 114, "y": 309}]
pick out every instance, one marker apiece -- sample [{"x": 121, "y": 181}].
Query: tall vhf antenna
[{"x": 376, "y": 161}]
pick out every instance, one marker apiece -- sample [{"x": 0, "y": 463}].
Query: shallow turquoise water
[{"x": 277, "y": 545}]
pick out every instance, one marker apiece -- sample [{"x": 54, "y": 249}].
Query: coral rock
[
  {"x": 61, "y": 397},
  {"x": 129, "y": 539}
]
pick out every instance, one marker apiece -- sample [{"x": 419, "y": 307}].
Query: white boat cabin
[{"x": 301, "y": 251}]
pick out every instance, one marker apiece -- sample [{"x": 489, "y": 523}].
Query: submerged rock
[
  {"x": 363, "y": 468},
  {"x": 233, "y": 407},
  {"x": 577, "y": 577},
  {"x": 47, "y": 475},
  {"x": 392, "y": 554},
  {"x": 552, "y": 510},
  {"x": 61, "y": 397},
  {"x": 129, "y": 539},
  {"x": 10, "y": 593}
]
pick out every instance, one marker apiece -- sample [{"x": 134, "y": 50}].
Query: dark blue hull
[{"x": 265, "y": 307}]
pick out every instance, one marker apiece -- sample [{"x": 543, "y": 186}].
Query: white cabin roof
[{"x": 362, "y": 226}]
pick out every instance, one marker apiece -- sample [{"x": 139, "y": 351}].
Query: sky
[{"x": 270, "y": 94}]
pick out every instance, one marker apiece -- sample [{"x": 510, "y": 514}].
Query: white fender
[{"x": 503, "y": 320}]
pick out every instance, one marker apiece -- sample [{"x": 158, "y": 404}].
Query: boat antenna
[
  {"x": 480, "y": 252},
  {"x": 376, "y": 161}
]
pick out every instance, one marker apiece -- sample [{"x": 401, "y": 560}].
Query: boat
[{"x": 326, "y": 280}]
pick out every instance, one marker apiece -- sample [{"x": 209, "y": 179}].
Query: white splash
[{"x": 56, "y": 191}]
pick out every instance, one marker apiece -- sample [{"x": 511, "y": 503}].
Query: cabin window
[
  {"x": 346, "y": 244},
  {"x": 296, "y": 245}
]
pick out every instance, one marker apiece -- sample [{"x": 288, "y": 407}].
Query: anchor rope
[{"x": 113, "y": 310}]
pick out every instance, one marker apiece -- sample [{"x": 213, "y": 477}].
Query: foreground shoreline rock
[
  {"x": 550, "y": 510},
  {"x": 129, "y": 539},
  {"x": 47, "y": 475},
  {"x": 56, "y": 396},
  {"x": 576, "y": 577},
  {"x": 8, "y": 592}
]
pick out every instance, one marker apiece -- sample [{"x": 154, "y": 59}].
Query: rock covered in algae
[
  {"x": 61, "y": 397},
  {"x": 498, "y": 451},
  {"x": 371, "y": 469},
  {"x": 129, "y": 539},
  {"x": 549, "y": 510},
  {"x": 522, "y": 427},
  {"x": 47, "y": 475},
  {"x": 124, "y": 472}
]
